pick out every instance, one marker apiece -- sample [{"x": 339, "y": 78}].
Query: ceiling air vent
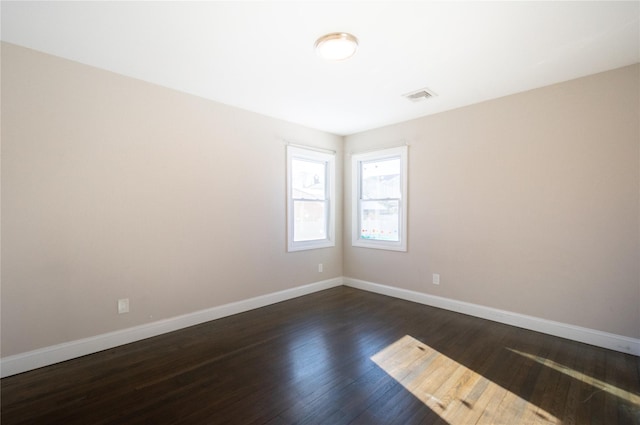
[{"x": 419, "y": 95}]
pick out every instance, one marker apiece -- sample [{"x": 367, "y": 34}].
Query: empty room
[{"x": 320, "y": 212}]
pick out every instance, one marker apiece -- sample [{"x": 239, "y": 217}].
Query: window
[
  {"x": 310, "y": 199},
  {"x": 379, "y": 207}
]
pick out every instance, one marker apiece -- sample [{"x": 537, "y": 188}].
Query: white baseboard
[
  {"x": 23, "y": 362},
  {"x": 576, "y": 333}
]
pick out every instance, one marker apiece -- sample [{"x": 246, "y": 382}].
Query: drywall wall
[
  {"x": 115, "y": 188},
  {"x": 527, "y": 203}
]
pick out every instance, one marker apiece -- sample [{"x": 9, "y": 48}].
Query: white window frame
[
  {"x": 329, "y": 159},
  {"x": 356, "y": 195}
]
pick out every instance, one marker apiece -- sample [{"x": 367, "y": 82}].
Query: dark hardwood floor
[{"x": 340, "y": 356}]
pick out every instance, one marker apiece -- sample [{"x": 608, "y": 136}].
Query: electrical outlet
[
  {"x": 123, "y": 306},
  {"x": 320, "y": 268},
  {"x": 436, "y": 279}
]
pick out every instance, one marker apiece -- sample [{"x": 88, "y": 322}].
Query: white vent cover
[{"x": 419, "y": 95}]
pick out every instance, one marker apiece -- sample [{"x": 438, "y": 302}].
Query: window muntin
[
  {"x": 379, "y": 199},
  {"x": 310, "y": 192}
]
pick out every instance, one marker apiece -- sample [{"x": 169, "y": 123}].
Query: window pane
[
  {"x": 380, "y": 220},
  {"x": 381, "y": 179},
  {"x": 309, "y": 221},
  {"x": 308, "y": 179},
  {"x": 310, "y": 191},
  {"x": 379, "y": 192}
]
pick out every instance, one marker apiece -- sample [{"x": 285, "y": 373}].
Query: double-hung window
[
  {"x": 379, "y": 206},
  {"x": 310, "y": 199}
]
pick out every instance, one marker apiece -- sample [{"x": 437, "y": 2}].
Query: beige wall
[
  {"x": 115, "y": 188},
  {"x": 528, "y": 203}
]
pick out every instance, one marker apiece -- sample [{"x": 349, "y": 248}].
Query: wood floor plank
[
  {"x": 544, "y": 390},
  {"x": 340, "y": 356}
]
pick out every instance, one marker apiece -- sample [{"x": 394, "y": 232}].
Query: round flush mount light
[{"x": 337, "y": 46}]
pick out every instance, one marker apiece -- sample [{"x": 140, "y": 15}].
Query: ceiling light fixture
[{"x": 337, "y": 46}]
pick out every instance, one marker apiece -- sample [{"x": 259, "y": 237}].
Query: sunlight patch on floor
[{"x": 456, "y": 393}]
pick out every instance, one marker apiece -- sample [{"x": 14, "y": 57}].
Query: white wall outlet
[
  {"x": 436, "y": 279},
  {"x": 123, "y": 305},
  {"x": 320, "y": 268}
]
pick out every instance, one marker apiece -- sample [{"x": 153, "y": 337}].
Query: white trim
[
  {"x": 19, "y": 363},
  {"x": 380, "y": 148},
  {"x": 329, "y": 161},
  {"x": 311, "y": 148},
  {"x": 602, "y": 339},
  {"x": 24, "y": 362},
  {"x": 356, "y": 184}
]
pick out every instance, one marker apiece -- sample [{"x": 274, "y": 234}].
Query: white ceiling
[{"x": 259, "y": 55}]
